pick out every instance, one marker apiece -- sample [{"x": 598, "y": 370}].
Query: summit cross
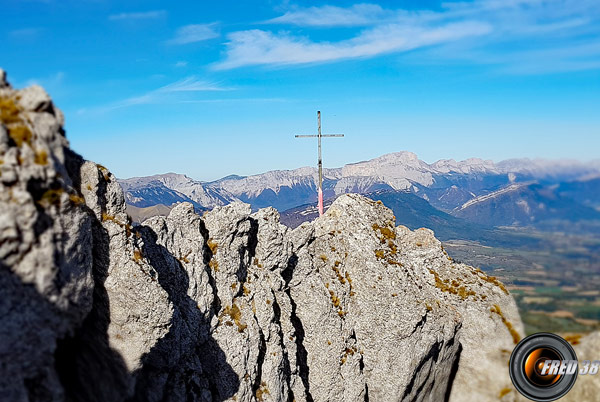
[{"x": 319, "y": 136}]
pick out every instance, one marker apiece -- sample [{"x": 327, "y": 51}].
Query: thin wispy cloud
[
  {"x": 548, "y": 60},
  {"x": 237, "y": 100},
  {"x": 144, "y": 15},
  {"x": 554, "y": 7},
  {"x": 176, "y": 92},
  {"x": 524, "y": 24},
  {"x": 535, "y": 36},
  {"x": 192, "y": 84},
  {"x": 194, "y": 33},
  {"x": 25, "y": 33},
  {"x": 148, "y": 99},
  {"x": 552, "y": 27},
  {"x": 50, "y": 82},
  {"x": 562, "y": 59},
  {"x": 356, "y": 15},
  {"x": 257, "y": 47}
]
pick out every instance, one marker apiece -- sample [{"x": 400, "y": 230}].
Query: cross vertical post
[
  {"x": 320, "y": 160},
  {"x": 320, "y": 164}
]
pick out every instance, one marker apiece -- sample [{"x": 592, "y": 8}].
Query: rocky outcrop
[
  {"x": 228, "y": 306},
  {"x": 587, "y": 387},
  {"x": 45, "y": 245}
]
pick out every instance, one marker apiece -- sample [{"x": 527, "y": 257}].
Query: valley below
[{"x": 555, "y": 279}]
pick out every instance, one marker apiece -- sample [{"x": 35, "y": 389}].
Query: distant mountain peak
[{"x": 446, "y": 183}]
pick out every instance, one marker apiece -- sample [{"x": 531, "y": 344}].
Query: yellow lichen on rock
[{"x": 515, "y": 335}]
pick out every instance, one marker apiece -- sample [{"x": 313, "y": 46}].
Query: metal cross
[{"x": 319, "y": 136}]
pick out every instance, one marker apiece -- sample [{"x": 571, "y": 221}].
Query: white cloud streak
[
  {"x": 261, "y": 47},
  {"x": 171, "y": 93},
  {"x": 328, "y": 16},
  {"x": 192, "y": 84},
  {"x": 52, "y": 81},
  {"x": 145, "y": 15},
  {"x": 500, "y": 27},
  {"x": 194, "y": 33},
  {"x": 25, "y": 33}
]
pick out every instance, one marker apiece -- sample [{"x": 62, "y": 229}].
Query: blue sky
[{"x": 215, "y": 88}]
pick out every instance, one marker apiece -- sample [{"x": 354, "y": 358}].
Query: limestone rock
[
  {"x": 3, "y": 82},
  {"x": 587, "y": 387},
  {"x": 368, "y": 329},
  {"x": 45, "y": 250},
  {"x": 491, "y": 325},
  {"x": 35, "y": 99},
  {"x": 228, "y": 306}
]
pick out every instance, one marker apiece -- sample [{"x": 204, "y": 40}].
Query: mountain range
[{"x": 515, "y": 192}]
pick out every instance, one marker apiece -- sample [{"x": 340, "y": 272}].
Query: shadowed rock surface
[{"x": 232, "y": 305}]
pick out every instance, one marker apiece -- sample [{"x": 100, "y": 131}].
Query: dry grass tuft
[
  {"x": 454, "y": 288},
  {"x": 11, "y": 115},
  {"x": 261, "y": 391},
  {"x": 573, "y": 339},
  {"x": 386, "y": 232},
  {"x": 77, "y": 200},
  {"x": 104, "y": 171},
  {"x": 212, "y": 245},
  {"x": 503, "y": 392},
  {"x": 10, "y": 112},
  {"x": 20, "y": 134},
  {"x": 137, "y": 255},
  {"x": 214, "y": 265},
  {"x": 515, "y": 335},
  {"x": 51, "y": 197},
  {"x": 491, "y": 279},
  {"x": 41, "y": 158},
  {"x": 235, "y": 314}
]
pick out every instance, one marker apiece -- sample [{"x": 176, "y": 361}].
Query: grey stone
[
  {"x": 45, "y": 261},
  {"x": 228, "y": 306},
  {"x": 367, "y": 330},
  {"x": 587, "y": 387},
  {"x": 491, "y": 325},
  {"x": 35, "y": 99},
  {"x": 3, "y": 82}
]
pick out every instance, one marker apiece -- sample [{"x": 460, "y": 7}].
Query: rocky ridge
[
  {"x": 172, "y": 188},
  {"x": 446, "y": 184},
  {"x": 230, "y": 305}
]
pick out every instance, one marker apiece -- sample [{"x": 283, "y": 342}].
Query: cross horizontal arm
[{"x": 322, "y": 135}]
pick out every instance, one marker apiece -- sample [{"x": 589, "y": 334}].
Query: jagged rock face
[
  {"x": 587, "y": 387},
  {"x": 171, "y": 188},
  {"x": 228, "y": 306},
  {"x": 45, "y": 244},
  {"x": 362, "y": 310}
]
